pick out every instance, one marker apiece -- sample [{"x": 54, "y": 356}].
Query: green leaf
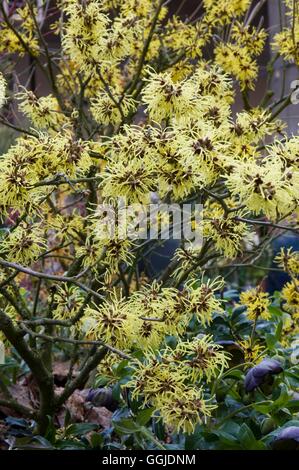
[
  {"x": 101, "y": 381},
  {"x": 293, "y": 377},
  {"x": 275, "y": 311},
  {"x": 271, "y": 341},
  {"x": 144, "y": 416},
  {"x": 248, "y": 440},
  {"x": 283, "y": 398},
  {"x": 192, "y": 441},
  {"x": 227, "y": 440},
  {"x": 278, "y": 330},
  {"x": 231, "y": 427},
  {"x": 97, "y": 441},
  {"x": 68, "y": 444},
  {"x": 126, "y": 426},
  {"x": 231, "y": 294},
  {"x": 267, "y": 425},
  {"x": 120, "y": 369},
  {"x": 237, "y": 312},
  {"x": 79, "y": 429},
  {"x": 159, "y": 429},
  {"x": 50, "y": 434},
  {"x": 67, "y": 418},
  {"x": 236, "y": 374},
  {"x": 293, "y": 406},
  {"x": 116, "y": 392},
  {"x": 263, "y": 408},
  {"x": 37, "y": 442}
]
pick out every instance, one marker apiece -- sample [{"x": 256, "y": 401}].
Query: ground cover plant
[{"x": 106, "y": 341}]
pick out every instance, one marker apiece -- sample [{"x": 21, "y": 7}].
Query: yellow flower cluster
[
  {"x": 24, "y": 244},
  {"x": 252, "y": 352},
  {"x": 65, "y": 228},
  {"x": 224, "y": 11},
  {"x": 44, "y": 112},
  {"x": 187, "y": 140},
  {"x": 170, "y": 381},
  {"x": 185, "y": 410},
  {"x": 189, "y": 98},
  {"x": 105, "y": 41},
  {"x": 168, "y": 99},
  {"x": 85, "y": 28},
  {"x": 238, "y": 57},
  {"x": 67, "y": 301},
  {"x": 287, "y": 41},
  {"x": 105, "y": 249},
  {"x": 290, "y": 330},
  {"x": 198, "y": 359},
  {"x": 33, "y": 159},
  {"x": 290, "y": 296},
  {"x": 106, "y": 111},
  {"x": 288, "y": 152},
  {"x": 201, "y": 299},
  {"x": 227, "y": 233},
  {"x": 23, "y": 35},
  {"x": 108, "y": 368},
  {"x": 289, "y": 261},
  {"x": 190, "y": 38},
  {"x": 148, "y": 315},
  {"x": 98, "y": 45},
  {"x": 257, "y": 303},
  {"x": 265, "y": 187},
  {"x": 179, "y": 158}
]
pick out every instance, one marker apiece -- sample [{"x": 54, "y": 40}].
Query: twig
[
  {"x": 81, "y": 378},
  {"x": 60, "y": 180},
  {"x": 131, "y": 87},
  {"x": 14, "y": 405},
  {"x": 268, "y": 224},
  {"x": 16, "y": 128},
  {"x": 52, "y": 277},
  {"x": 49, "y": 61},
  {"x": 60, "y": 339}
]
